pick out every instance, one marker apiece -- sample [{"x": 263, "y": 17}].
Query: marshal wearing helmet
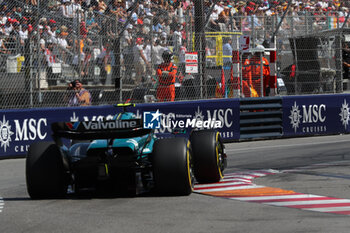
[
  {"x": 166, "y": 73},
  {"x": 255, "y": 68}
]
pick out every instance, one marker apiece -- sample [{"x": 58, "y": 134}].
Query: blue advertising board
[
  {"x": 224, "y": 110},
  {"x": 316, "y": 115},
  {"x": 20, "y": 128}
]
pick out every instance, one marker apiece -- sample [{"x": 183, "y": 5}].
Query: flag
[
  {"x": 230, "y": 89},
  {"x": 332, "y": 22},
  {"x": 253, "y": 92},
  {"x": 223, "y": 86}
]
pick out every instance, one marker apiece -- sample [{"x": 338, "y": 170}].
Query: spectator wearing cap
[
  {"x": 63, "y": 45},
  {"x": 224, "y": 15},
  {"x": 251, "y": 18},
  {"x": 52, "y": 31},
  {"x": 213, "y": 21},
  {"x": 140, "y": 60},
  {"x": 240, "y": 12},
  {"x": 8, "y": 27}
]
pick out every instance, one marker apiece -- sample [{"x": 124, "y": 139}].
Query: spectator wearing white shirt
[
  {"x": 157, "y": 54},
  {"x": 66, "y": 9},
  {"x": 23, "y": 34},
  {"x": 213, "y": 21},
  {"x": 63, "y": 46},
  {"x": 147, "y": 48},
  {"x": 50, "y": 60},
  {"x": 8, "y": 28},
  {"x": 140, "y": 60}
]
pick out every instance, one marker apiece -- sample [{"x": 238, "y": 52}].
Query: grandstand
[{"x": 44, "y": 45}]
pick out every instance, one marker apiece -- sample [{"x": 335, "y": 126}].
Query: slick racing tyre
[
  {"x": 208, "y": 156},
  {"x": 45, "y": 174},
  {"x": 172, "y": 166}
]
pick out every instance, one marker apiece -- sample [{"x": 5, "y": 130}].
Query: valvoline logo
[{"x": 72, "y": 125}]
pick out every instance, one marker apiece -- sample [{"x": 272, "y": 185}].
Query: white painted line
[
  {"x": 219, "y": 184},
  {"x": 230, "y": 188},
  {"x": 2, "y": 203},
  {"x": 240, "y": 180},
  {"x": 329, "y": 209},
  {"x": 313, "y": 202},
  {"x": 262, "y": 198},
  {"x": 258, "y": 174},
  {"x": 279, "y": 146},
  {"x": 238, "y": 176}
]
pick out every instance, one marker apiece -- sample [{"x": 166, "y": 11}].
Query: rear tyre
[
  {"x": 45, "y": 174},
  {"x": 172, "y": 166},
  {"x": 208, "y": 156}
]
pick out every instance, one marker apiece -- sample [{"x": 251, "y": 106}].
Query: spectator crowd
[{"x": 80, "y": 33}]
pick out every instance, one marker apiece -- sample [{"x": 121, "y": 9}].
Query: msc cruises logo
[
  {"x": 5, "y": 133},
  {"x": 295, "y": 117},
  {"x": 345, "y": 114},
  {"x": 151, "y": 120}
]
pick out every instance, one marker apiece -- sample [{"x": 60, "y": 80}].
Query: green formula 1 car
[{"x": 123, "y": 157}]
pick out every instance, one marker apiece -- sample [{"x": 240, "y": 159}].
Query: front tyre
[
  {"x": 45, "y": 174},
  {"x": 172, "y": 166},
  {"x": 208, "y": 156}
]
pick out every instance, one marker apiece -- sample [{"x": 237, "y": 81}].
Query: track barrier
[{"x": 247, "y": 118}]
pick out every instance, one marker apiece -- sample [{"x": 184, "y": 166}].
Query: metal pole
[
  {"x": 261, "y": 75},
  {"x": 200, "y": 43},
  {"x": 296, "y": 68},
  {"x": 38, "y": 53},
  {"x": 79, "y": 45},
  {"x": 27, "y": 72},
  {"x": 252, "y": 38}
]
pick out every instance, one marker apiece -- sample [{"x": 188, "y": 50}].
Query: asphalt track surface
[{"x": 314, "y": 166}]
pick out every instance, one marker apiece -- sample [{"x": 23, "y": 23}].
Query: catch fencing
[{"x": 45, "y": 47}]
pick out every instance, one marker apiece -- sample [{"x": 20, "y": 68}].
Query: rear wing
[{"x": 90, "y": 130}]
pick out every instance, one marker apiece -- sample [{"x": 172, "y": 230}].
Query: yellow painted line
[{"x": 265, "y": 191}]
